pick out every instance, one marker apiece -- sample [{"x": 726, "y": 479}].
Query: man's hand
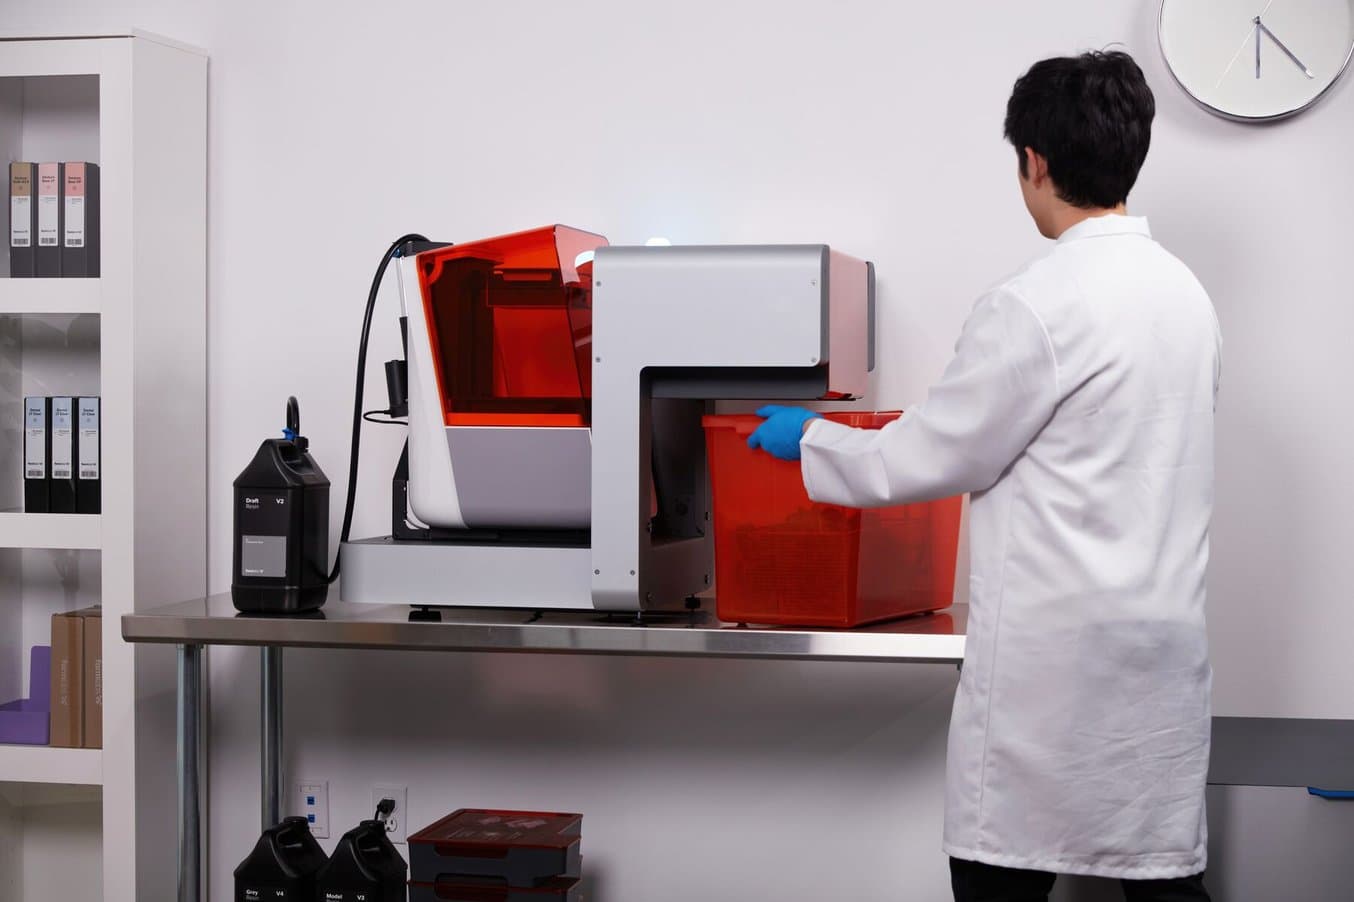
[{"x": 779, "y": 436}]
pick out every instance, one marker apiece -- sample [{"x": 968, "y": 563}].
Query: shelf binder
[
  {"x": 37, "y": 451},
  {"x": 91, "y": 674},
  {"x": 80, "y": 230},
  {"x": 68, "y": 687},
  {"x": 87, "y": 479},
  {"x": 61, "y": 497},
  {"x": 50, "y": 217},
  {"x": 23, "y": 220}
]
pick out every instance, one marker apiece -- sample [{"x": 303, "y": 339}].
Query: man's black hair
[{"x": 1090, "y": 116}]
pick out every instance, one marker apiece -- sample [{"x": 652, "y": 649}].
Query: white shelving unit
[
  {"x": 61, "y": 767},
  {"x": 31, "y": 296},
  {"x": 136, "y": 104},
  {"x": 50, "y": 531}
]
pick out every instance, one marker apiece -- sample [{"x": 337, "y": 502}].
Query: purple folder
[{"x": 28, "y": 721}]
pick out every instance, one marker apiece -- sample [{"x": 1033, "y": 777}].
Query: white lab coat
[{"x": 1078, "y": 411}]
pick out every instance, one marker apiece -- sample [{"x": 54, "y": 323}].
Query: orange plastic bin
[{"x": 783, "y": 559}]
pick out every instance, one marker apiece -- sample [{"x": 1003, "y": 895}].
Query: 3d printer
[{"x": 555, "y": 454}]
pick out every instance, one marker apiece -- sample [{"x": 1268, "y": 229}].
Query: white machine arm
[{"x": 722, "y": 310}]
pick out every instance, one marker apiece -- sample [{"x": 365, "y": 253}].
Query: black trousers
[{"x": 977, "y": 882}]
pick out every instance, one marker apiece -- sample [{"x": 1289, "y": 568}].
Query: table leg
[
  {"x": 271, "y": 732},
  {"x": 189, "y": 772}
]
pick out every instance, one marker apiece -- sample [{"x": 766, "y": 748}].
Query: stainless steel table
[{"x": 191, "y": 625}]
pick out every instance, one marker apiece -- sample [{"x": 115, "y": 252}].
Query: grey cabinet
[{"x": 1265, "y": 844}]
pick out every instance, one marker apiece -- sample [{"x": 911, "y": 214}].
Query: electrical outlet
[
  {"x": 311, "y": 801},
  {"x": 396, "y": 828}
]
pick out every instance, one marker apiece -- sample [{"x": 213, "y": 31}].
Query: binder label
[
  {"x": 63, "y": 466},
  {"x": 75, "y": 205},
  {"x": 21, "y": 221},
  {"x": 49, "y": 198},
  {"x": 75, "y": 221},
  {"x": 89, "y": 438},
  {"x": 35, "y": 439},
  {"x": 20, "y": 205}
]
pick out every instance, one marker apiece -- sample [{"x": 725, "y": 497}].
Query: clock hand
[
  {"x": 1257, "y": 46},
  {"x": 1282, "y": 46},
  {"x": 1240, "y": 47}
]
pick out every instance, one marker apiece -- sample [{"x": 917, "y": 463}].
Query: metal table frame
[{"x": 193, "y": 625}]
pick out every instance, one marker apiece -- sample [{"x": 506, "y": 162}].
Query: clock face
[{"x": 1256, "y": 60}]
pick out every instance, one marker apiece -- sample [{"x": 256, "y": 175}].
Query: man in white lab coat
[{"x": 1078, "y": 411}]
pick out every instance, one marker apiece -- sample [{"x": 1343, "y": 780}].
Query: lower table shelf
[{"x": 43, "y": 764}]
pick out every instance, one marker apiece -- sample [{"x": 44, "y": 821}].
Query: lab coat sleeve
[{"x": 995, "y": 396}]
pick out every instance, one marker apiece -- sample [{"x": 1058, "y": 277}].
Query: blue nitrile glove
[{"x": 779, "y": 436}]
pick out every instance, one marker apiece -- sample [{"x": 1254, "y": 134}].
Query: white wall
[{"x": 874, "y": 126}]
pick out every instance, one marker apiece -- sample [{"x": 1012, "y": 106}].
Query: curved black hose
[
  {"x": 391, "y": 252},
  {"x": 370, "y": 416}
]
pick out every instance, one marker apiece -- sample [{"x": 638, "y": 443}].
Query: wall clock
[{"x": 1256, "y": 60}]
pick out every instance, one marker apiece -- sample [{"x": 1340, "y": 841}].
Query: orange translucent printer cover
[{"x": 510, "y": 321}]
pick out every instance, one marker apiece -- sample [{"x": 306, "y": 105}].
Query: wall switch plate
[
  {"x": 396, "y": 828},
  {"x": 310, "y": 800}
]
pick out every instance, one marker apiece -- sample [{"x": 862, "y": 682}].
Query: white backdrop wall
[{"x": 873, "y": 126}]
